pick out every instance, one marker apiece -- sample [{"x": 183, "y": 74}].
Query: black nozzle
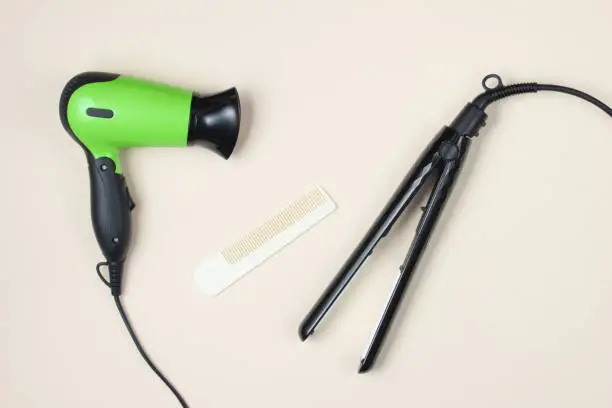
[{"x": 214, "y": 121}]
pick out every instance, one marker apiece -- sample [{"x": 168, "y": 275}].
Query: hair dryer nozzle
[{"x": 214, "y": 121}]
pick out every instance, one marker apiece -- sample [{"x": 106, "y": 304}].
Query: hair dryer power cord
[{"x": 141, "y": 350}]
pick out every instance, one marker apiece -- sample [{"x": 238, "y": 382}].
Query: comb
[{"x": 221, "y": 270}]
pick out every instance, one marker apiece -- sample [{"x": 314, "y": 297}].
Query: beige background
[{"x": 514, "y": 304}]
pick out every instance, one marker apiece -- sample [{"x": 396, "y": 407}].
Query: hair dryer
[{"x": 105, "y": 112}]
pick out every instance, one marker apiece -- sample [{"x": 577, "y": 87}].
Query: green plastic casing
[{"x": 144, "y": 113}]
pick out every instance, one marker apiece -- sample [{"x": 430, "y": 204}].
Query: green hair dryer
[{"x": 107, "y": 112}]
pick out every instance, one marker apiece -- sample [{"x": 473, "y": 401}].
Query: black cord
[
  {"x": 143, "y": 353},
  {"x": 106, "y": 282},
  {"x": 579, "y": 94},
  {"x": 495, "y": 94},
  {"x": 136, "y": 341}
]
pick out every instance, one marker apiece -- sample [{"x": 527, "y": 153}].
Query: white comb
[{"x": 230, "y": 264}]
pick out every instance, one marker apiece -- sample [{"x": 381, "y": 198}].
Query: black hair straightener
[{"x": 442, "y": 161}]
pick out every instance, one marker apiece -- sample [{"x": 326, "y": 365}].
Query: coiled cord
[{"x": 486, "y": 98}]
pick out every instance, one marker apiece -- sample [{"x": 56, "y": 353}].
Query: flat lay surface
[{"x": 512, "y": 302}]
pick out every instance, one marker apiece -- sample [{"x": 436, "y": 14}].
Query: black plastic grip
[
  {"x": 71, "y": 86},
  {"x": 469, "y": 121},
  {"x": 110, "y": 209}
]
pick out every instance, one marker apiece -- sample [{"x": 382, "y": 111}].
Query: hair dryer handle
[{"x": 110, "y": 209}]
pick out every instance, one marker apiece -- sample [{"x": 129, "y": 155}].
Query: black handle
[{"x": 110, "y": 210}]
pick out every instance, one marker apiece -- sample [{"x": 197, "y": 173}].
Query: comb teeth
[
  {"x": 231, "y": 263},
  {"x": 274, "y": 226}
]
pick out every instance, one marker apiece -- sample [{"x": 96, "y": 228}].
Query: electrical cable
[
  {"x": 144, "y": 355},
  {"x": 577, "y": 93},
  {"x": 502, "y": 91},
  {"x": 141, "y": 350},
  {"x": 99, "y": 272}
]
